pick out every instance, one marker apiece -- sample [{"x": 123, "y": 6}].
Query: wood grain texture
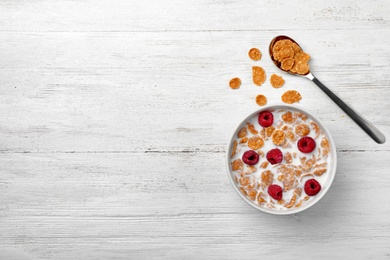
[{"x": 115, "y": 117}]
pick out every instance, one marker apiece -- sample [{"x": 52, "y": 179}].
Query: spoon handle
[{"x": 370, "y": 129}]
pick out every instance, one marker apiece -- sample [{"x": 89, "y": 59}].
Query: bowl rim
[{"x": 333, "y": 159}]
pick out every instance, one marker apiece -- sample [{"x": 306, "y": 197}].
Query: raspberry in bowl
[{"x": 281, "y": 159}]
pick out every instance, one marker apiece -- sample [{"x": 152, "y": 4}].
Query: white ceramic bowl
[{"x": 326, "y": 178}]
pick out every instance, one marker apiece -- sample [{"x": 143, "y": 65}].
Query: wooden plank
[
  {"x": 128, "y": 205},
  {"x": 176, "y": 15},
  {"x": 162, "y": 91}
]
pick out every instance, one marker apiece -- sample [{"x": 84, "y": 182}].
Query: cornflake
[
  {"x": 242, "y": 133},
  {"x": 255, "y": 54},
  {"x": 267, "y": 177},
  {"x": 261, "y": 100},
  {"x": 291, "y": 96},
  {"x": 235, "y": 83},
  {"x": 255, "y": 142},
  {"x": 302, "y": 129},
  {"x": 234, "y": 150},
  {"x": 258, "y": 75},
  {"x": 251, "y": 128},
  {"x": 237, "y": 165},
  {"x": 278, "y": 137},
  {"x": 276, "y": 81}
]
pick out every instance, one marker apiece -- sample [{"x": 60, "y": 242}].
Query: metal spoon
[{"x": 371, "y": 130}]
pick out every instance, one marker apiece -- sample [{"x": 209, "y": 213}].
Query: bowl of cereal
[{"x": 281, "y": 159}]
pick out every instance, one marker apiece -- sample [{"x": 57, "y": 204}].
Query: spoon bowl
[
  {"x": 278, "y": 63},
  {"x": 370, "y": 129}
]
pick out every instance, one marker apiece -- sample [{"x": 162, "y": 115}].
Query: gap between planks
[{"x": 162, "y": 151}]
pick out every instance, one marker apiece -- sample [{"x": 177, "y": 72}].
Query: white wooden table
[{"x": 115, "y": 116}]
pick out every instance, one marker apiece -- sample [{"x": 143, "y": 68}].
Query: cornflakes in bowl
[{"x": 295, "y": 160}]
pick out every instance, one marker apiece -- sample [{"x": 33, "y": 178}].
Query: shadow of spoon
[{"x": 370, "y": 129}]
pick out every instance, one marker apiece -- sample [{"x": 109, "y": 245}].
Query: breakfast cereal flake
[
  {"x": 269, "y": 130},
  {"x": 319, "y": 172},
  {"x": 264, "y": 164},
  {"x": 278, "y": 137},
  {"x": 291, "y": 96},
  {"x": 237, "y": 165},
  {"x": 276, "y": 81},
  {"x": 242, "y": 133},
  {"x": 235, "y": 83},
  {"x": 243, "y": 140},
  {"x": 234, "y": 149},
  {"x": 288, "y": 157},
  {"x": 251, "y": 128},
  {"x": 267, "y": 177},
  {"x": 252, "y": 194},
  {"x": 287, "y": 64},
  {"x": 255, "y": 142},
  {"x": 290, "y": 135},
  {"x": 288, "y": 117},
  {"x": 254, "y": 54},
  {"x": 261, "y": 100},
  {"x": 302, "y": 129},
  {"x": 316, "y": 129},
  {"x": 258, "y": 75}
]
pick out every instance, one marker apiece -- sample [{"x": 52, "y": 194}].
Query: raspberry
[
  {"x": 275, "y": 156},
  {"x": 312, "y": 187},
  {"x": 306, "y": 144},
  {"x": 266, "y": 118},
  {"x": 250, "y": 157},
  {"x": 275, "y": 191}
]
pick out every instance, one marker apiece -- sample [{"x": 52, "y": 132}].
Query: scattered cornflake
[
  {"x": 261, "y": 100},
  {"x": 252, "y": 128},
  {"x": 251, "y": 169},
  {"x": 235, "y": 83},
  {"x": 319, "y": 171},
  {"x": 264, "y": 164},
  {"x": 325, "y": 143},
  {"x": 234, "y": 150},
  {"x": 260, "y": 198},
  {"x": 276, "y": 81},
  {"x": 288, "y": 157},
  {"x": 254, "y": 54},
  {"x": 288, "y": 117},
  {"x": 269, "y": 130},
  {"x": 291, "y": 203},
  {"x": 243, "y": 140},
  {"x": 255, "y": 142},
  {"x": 302, "y": 129},
  {"x": 237, "y": 165},
  {"x": 316, "y": 129},
  {"x": 267, "y": 177},
  {"x": 242, "y": 133},
  {"x": 252, "y": 194},
  {"x": 245, "y": 181},
  {"x": 290, "y": 135},
  {"x": 278, "y": 137},
  {"x": 258, "y": 75},
  {"x": 291, "y": 96},
  {"x": 299, "y": 204}
]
